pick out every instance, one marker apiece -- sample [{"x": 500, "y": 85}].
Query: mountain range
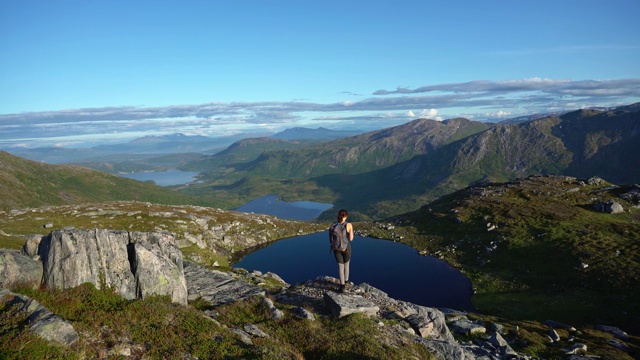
[{"x": 394, "y": 170}]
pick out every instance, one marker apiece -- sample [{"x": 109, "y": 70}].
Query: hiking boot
[{"x": 341, "y": 289}]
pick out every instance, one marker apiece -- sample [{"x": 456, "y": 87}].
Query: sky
[{"x": 80, "y": 72}]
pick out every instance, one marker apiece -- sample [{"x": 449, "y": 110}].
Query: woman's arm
[{"x": 350, "y": 231}]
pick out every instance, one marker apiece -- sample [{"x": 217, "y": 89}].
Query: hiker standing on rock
[{"x": 340, "y": 237}]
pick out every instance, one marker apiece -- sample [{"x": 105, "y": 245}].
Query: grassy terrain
[
  {"x": 26, "y": 184},
  {"x": 552, "y": 256}
]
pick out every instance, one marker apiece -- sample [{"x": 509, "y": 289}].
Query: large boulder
[
  {"x": 158, "y": 267},
  {"x": 72, "y": 257},
  {"x": 16, "y": 268},
  {"x": 134, "y": 264}
]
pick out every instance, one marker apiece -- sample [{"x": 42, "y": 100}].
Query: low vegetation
[{"x": 536, "y": 248}]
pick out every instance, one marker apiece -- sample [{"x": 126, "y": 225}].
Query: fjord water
[{"x": 394, "y": 268}]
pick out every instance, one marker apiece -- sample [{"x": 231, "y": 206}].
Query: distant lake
[
  {"x": 394, "y": 268},
  {"x": 296, "y": 210},
  {"x": 164, "y": 178}
]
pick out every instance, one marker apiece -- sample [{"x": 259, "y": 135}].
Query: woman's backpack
[{"x": 338, "y": 236}]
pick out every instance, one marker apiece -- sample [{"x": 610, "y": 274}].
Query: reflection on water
[
  {"x": 296, "y": 210},
  {"x": 392, "y": 267}
]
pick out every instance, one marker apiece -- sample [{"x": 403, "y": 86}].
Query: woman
[{"x": 340, "y": 237}]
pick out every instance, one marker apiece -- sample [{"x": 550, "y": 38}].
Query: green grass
[{"x": 545, "y": 233}]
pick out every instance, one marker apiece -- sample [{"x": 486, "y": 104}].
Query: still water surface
[
  {"x": 394, "y": 268},
  {"x": 296, "y": 210},
  {"x": 164, "y": 178}
]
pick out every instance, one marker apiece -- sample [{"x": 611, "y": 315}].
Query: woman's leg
[
  {"x": 341, "y": 271},
  {"x": 346, "y": 272}
]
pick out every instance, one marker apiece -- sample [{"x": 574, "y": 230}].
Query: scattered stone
[
  {"x": 275, "y": 277},
  {"x": 30, "y": 247},
  {"x": 276, "y": 314},
  {"x": 303, "y": 313},
  {"x": 244, "y": 337},
  {"x": 342, "y": 305},
  {"x": 254, "y": 330},
  {"x": 553, "y": 335},
  {"x": 47, "y": 225},
  {"x": 613, "y": 330},
  {"x": 610, "y": 207},
  {"x": 618, "y": 344},
  {"x": 575, "y": 349},
  {"x": 595, "y": 181},
  {"x": 429, "y": 323},
  {"x": 466, "y": 327},
  {"x": 502, "y": 346},
  {"x": 555, "y": 324}
]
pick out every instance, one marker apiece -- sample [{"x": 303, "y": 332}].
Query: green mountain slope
[
  {"x": 26, "y": 183},
  {"x": 366, "y": 152}
]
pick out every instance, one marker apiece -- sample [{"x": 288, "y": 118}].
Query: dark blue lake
[
  {"x": 296, "y": 210},
  {"x": 394, "y": 268}
]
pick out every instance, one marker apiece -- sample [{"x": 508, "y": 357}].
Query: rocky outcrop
[
  {"x": 41, "y": 322},
  {"x": 134, "y": 264},
  {"x": 18, "y": 268}
]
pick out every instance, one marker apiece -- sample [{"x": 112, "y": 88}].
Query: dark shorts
[{"x": 343, "y": 256}]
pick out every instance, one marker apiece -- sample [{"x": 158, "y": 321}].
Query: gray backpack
[{"x": 338, "y": 237}]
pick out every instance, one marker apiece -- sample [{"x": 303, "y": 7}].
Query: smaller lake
[
  {"x": 164, "y": 178},
  {"x": 296, "y": 210},
  {"x": 394, "y": 268}
]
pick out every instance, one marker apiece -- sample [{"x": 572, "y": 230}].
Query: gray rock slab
[
  {"x": 446, "y": 350},
  {"x": 342, "y": 305},
  {"x": 42, "y": 322},
  {"x": 216, "y": 287}
]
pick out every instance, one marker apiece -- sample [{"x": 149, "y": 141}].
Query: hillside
[
  {"x": 537, "y": 248},
  {"x": 26, "y": 183}
]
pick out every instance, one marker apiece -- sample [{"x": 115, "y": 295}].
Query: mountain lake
[
  {"x": 163, "y": 178},
  {"x": 295, "y": 210},
  {"x": 392, "y": 267}
]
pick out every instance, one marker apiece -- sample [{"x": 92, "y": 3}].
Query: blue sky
[{"x": 115, "y": 70}]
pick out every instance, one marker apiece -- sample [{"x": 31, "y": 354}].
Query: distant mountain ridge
[
  {"x": 298, "y": 133},
  {"x": 394, "y": 170}
]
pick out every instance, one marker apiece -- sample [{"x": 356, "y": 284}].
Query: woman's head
[{"x": 342, "y": 214}]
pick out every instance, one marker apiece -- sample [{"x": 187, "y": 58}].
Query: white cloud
[{"x": 491, "y": 99}]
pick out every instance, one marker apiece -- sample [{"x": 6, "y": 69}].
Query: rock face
[
  {"x": 135, "y": 265},
  {"x": 18, "y": 268}
]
